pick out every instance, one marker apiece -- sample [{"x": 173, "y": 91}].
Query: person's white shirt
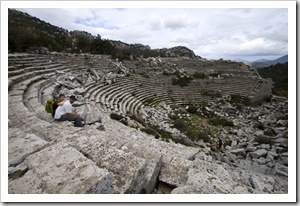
[{"x": 63, "y": 109}]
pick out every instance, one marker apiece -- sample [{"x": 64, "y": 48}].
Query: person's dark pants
[{"x": 77, "y": 119}]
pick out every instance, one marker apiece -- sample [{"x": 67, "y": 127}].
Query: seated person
[
  {"x": 58, "y": 102},
  {"x": 65, "y": 112}
]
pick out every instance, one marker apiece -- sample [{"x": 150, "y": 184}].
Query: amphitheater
[{"x": 106, "y": 156}]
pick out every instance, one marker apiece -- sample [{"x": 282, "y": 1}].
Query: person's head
[
  {"x": 61, "y": 97},
  {"x": 72, "y": 99}
]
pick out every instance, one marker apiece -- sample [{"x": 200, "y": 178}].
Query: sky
[{"x": 228, "y": 33}]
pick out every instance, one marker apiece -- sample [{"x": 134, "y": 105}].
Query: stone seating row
[
  {"x": 134, "y": 182},
  {"x": 29, "y": 95},
  {"x": 121, "y": 96}
]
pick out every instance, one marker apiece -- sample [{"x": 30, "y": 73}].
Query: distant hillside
[
  {"x": 25, "y": 31},
  {"x": 266, "y": 63},
  {"x": 279, "y": 74}
]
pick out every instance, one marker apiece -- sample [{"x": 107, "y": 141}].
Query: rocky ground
[{"x": 255, "y": 148}]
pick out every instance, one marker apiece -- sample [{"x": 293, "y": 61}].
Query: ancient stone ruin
[{"x": 110, "y": 156}]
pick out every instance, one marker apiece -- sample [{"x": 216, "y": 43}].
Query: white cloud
[{"x": 210, "y": 33}]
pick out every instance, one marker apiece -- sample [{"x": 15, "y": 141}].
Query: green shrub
[
  {"x": 217, "y": 121},
  {"x": 135, "y": 118},
  {"x": 157, "y": 132},
  {"x": 269, "y": 132},
  {"x": 150, "y": 131},
  {"x": 182, "y": 81},
  {"x": 236, "y": 98},
  {"x": 180, "y": 125},
  {"x": 204, "y": 135},
  {"x": 173, "y": 116},
  {"x": 116, "y": 116},
  {"x": 149, "y": 101},
  {"x": 124, "y": 121},
  {"x": 211, "y": 94},
  {"x": 227, "y": 143},
  {"x": 198, "y": 75},
  {"x": 215, "y": 74},
  {"x": 259, "y": 126},
  {"x": 192, "y": 109},
  {"x": 119, "y": 118},
  {"x": 262, "y": 139}
]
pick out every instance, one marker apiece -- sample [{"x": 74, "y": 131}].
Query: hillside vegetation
[
  {"x": 279, "y": 74},
  {"x": 25, "y": 31}
]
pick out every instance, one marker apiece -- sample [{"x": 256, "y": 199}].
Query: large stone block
[
  {"x": 128, "y": 171},
  {"x": 175, "y": 172},
  {"x": 60, "y": 169},
  {"x": 154, "y": 162},
  {"x": 21, "y": 145}
]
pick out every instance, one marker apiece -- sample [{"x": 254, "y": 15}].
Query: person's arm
[
  {"x": 73, "y": 114},
  {"x": 69, "y": 110},
  {"x": 60, "y": 103}
]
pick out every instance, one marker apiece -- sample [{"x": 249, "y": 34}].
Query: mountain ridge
[
  {"x": 26, "y": 31},
  {"x": 266, "y": 63}
]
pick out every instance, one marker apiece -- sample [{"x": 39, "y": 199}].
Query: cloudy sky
[{"x": 228, "y": 33}]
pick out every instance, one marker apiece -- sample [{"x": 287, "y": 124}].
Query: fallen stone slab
[
  {"x": 128, "y": 171},
  {"x": 258, "y": 153},
  {"x": 154, "y": 162},
  {"x": 60, "y": 169}
]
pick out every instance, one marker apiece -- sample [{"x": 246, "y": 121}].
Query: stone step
[{"x": 60, "y": 169}]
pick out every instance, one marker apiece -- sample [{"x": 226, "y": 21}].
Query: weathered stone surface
[
  {"x": 17, "y": 172},
  {"x": 61, "y": 169},
  {"x": 21, "y": 145},
  {"x": 240, "y": 152},
  {"x": 282, "y": 141},
  {"x": 259, "y": 153},
  {"x": 175, "y": 172},
  {"x": 128, "y": 171},
  {"x": 260, "y": 184},
  {"x": 282, "y": 170},
  {"x": 154, "y": 163},
  {"x": 250, "y": 149},
  {"x": 210, "y": 178}
]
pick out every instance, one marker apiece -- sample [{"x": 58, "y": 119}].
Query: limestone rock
[
  {"x": 258, "y": 153},
  {"x": 175, "y": 172},
  {"x": 210, "y": 178},
  {"x": 240, "y": 152},
  {"x": 261, "y": 184},
  {"x": 63, "y": 170},
  {"x": 21, "y": 145}
]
